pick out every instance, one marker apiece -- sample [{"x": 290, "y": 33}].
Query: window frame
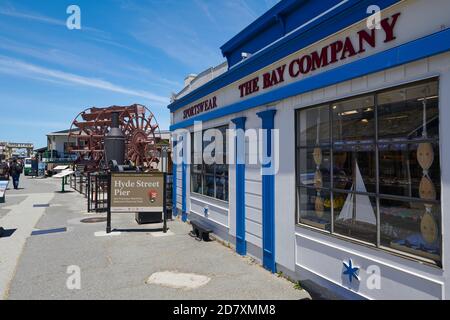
[
  {"x": 377, "y": 195},
  {"x": 203, "y": 173}
]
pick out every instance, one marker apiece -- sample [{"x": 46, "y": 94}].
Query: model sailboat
[{"x": 358, "y": 207}]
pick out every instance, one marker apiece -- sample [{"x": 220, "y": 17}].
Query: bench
[{"x": 200, "y": 230}]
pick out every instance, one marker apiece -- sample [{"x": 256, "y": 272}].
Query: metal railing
[
  {"x": 97, "y": 192},
  {"x": 78, "y": 182}
]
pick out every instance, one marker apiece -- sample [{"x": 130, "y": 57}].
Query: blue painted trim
[
  {"x": 278, "y": 23},
  {"x": 260, "y": 24},
  {"x": 268, "y": 195},
  {"x": 183, "y": 194},
  {"x": 241, "y": 243},
  {"x": 415, "y": 50},
  {"x": 183, "y": 180},
  {"x": 323, "y": 27}
]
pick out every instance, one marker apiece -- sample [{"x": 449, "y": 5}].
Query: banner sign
[
  {"x": 137, "y": 192},
  {"x": 20, "y": 145}
]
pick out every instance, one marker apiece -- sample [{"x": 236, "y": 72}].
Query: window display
[
  {"x": 210, "y": 179},
  {"x": 376, "y": 178}
]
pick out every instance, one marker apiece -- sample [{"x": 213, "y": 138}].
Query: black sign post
[
  {"x": 165, "y": 204},
  {"x": 109, "y": 211}
]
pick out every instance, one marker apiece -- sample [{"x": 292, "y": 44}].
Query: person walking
[{"x": 15, "y": 170}]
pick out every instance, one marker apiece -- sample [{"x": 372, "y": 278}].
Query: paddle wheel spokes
[
  {"x": 138, "y": 124},
  {"x": 142, "y": 132}
]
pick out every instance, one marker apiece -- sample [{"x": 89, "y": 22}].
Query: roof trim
[
  {"x": 260, "y": 24},
  {"x": 330, "y": 23}
]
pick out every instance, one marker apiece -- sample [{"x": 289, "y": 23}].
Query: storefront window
[
  {"x": 210, "y": 179},
  {"x": 354, "y": 121},
  {"x": 368, "y": 169},
  {"x": 355, "y": 216},
  {"x": 408, "y": 113},
  {"x": 314, "y": 127},
  {"x": 315, "y": 208},
  {"x": 354, "y": 167},
  {"x": 310, "y": 173}
]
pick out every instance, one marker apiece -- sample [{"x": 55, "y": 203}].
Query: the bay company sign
[
  {"x": 137, "y": 192},
  {"x": 328, "y": 55},
  {"x": 305, "y": 64}
]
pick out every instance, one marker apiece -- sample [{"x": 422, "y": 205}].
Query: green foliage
[{"x": 298, "y": 286}]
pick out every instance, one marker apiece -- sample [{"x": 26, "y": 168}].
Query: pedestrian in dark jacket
[{"x": 15, "y": 171}]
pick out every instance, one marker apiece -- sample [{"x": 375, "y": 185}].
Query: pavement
[{"x": 139, "y": 262}]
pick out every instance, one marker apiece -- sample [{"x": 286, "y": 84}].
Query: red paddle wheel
[{"x": 137, "y": 123}]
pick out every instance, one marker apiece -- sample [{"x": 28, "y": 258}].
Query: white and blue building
[{"x": 358, "y": 104}]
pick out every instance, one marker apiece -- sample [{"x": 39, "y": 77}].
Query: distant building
[
  {"x": 2, "y": 150},
  {"x": 58, "y": 147},
  {"x": 9, "y": 150},
  {"x": 39, "y": 153}
]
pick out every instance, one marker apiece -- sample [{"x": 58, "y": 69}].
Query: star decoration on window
[{"x": 351, "y": 271}]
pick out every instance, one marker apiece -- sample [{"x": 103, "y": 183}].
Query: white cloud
[
  {"x": 177, "y": 40},
  {"x": 205, "y": 8},
  {"x": 10, "y": 12},
  {"x": 92, "y": 33},
  {"x": 10, "y": 122},
  {"x": 67, "y": 57},
  {"x": 22, "y": 69}
]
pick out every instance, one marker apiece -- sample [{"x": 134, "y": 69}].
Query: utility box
[{"x": 149, "y": 217}]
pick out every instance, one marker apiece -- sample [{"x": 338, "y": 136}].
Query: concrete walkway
[
  {"x": 19, "y": 216},
  {"x": 118, "y": 267}
]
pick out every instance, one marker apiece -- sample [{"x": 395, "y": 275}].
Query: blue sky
[{"x": 128, "y": 51}]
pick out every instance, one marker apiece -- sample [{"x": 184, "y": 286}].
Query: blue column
[
  {"x": 183, "y": 195},
  {"x": 241, "y": 243},
  {"x": 268, "y": 194},
  {"x": 183, "y": 180},
  {"x": 174, "y": 190}
]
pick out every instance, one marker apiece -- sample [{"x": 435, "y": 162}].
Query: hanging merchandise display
[
  {"x": 425, "y": 155},
  {"x": 317, "y": 155},
  {"x": 428, "y": 226},
  {"x": 427, "y": 191},
  {"x": 318, "y": 178}
]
